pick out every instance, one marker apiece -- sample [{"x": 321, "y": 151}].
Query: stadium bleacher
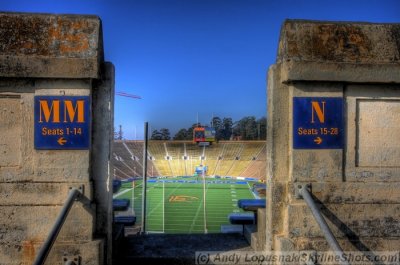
[
  {"x": 128, "y": 160},
  {"x": 180, "y": 158}
]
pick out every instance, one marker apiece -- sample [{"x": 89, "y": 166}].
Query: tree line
[{"x": 247, "y": 128}]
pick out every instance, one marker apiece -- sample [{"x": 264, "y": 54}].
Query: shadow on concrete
[
  {"x": 174, "y": 249},
  {"x": 352, "y": 237}
]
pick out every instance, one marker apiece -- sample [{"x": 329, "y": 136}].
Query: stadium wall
[
  {"x": 354, "y": 178},
  {"x": 54, "y": 56}
]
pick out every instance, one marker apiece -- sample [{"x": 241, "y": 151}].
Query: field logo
[{"x": 182, "y": 198}]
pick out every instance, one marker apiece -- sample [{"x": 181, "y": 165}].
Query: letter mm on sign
[
  {"x": 318, "y": 123},
  {"x": 62, "y": 122}
]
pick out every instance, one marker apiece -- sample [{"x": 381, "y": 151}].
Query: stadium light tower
[{"x": 143, "y": 229}]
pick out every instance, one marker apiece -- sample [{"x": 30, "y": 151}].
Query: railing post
[
  {"x": 51, "y": 238},
  {"x": 330, "y": 238},
  {"x": 144, "y": 193}
]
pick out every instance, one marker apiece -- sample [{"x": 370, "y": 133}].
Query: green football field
[{"x": 177, "y": 205}]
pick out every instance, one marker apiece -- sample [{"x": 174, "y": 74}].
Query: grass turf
[{"x": 177, "y": 206}]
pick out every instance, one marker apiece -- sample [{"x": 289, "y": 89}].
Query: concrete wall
[
  {"x": 356, "y": 185},
  {"x": 58, "y": 55}
]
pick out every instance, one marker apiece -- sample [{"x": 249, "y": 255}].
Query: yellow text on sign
[
  {"x": 316, "y": 108},
  {"x": 70, "y": 111},
  {"x": 317, "y": 131}
]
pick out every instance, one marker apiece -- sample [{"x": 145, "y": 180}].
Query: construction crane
[{"x": 124, "y": 94}]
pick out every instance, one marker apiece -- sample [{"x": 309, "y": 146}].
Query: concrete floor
[{"x": 174, "y": 249}]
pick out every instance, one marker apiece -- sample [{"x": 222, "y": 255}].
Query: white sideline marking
[
  {"x": 154, "y": 232},
  {"x": 122, "y": 192}
]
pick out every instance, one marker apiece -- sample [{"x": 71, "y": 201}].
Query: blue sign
[
  {"x": 62, "y": 122},
  {"x": 318, "y": 123}
]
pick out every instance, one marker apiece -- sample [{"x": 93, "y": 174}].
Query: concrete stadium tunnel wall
[
  {"x": 334, "y": 123},
  {"x": 56, "y": 120}
]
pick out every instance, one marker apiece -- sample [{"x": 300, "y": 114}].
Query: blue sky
[{"x": 197, "y": 58}]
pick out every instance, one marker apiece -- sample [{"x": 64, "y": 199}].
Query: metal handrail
[
  {"x": 51, "y": 238},
  {"x": 305, "y": 194}
]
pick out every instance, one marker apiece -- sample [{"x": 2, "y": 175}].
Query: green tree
[
  {"x": 251, "y": 129},
  {"x": 216, "y": 123},
  {"x": 156, "y": 135},
  {"x": 262, "y": 128},
  {"x": 165, "y": 134},
  {"x": 246, "y": 128},
  {"x": 182, "y": 134},
  {"x": 227, "y": 125}
]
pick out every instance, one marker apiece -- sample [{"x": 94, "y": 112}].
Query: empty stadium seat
[
  {"x": 128, "y": 220},
  {"x": 120, "y": 204},
  {"x": 251, "y": 204},
  {"x": 116, "y": 185},
  {"x": 242, "y": 218},
  {"x": 228, "y": 229}
]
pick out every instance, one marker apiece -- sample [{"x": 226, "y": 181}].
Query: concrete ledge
[
  {"x": 339, "y": 51},
  {"x": 340, "y": 72},
  {"x": 90, "y": 252},
  {"x": 38, "y": 67},
  {"x": 354, "y": 192},
  {"x": 354, "y": 220},
  {"x": 339, "y": 42},
  {"x": 55, "y": 46}
]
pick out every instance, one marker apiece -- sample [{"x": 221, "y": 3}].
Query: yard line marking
[
  {"x": 155, "y": 232},
  {"x": 180, "y": 184},
  {"x": 197, "y": 212},
  {"x": 125, "y": 191}
]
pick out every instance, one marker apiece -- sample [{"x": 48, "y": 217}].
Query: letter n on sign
[{"x": 318, "y": 123}]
